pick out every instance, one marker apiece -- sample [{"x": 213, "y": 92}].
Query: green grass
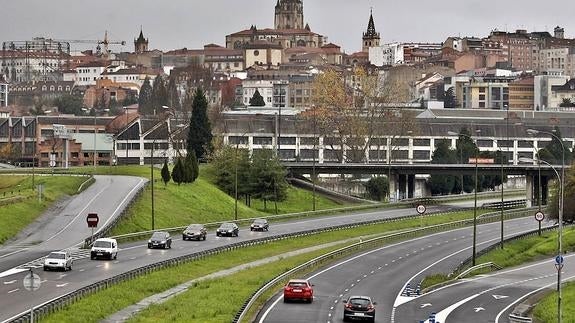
[
  {"x": 16, "y": 216},
  {"x": 546, "y": 309},
  {"x": 203, "y": 202},
  {"x": 97, "y": 306}
]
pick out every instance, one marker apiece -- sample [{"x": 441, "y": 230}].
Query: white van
[{"x": 104, "y": 248}]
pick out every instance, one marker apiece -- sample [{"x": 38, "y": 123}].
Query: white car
[
  {"x": 58, "y": 260},
  {"x": 104, "y": 248}
]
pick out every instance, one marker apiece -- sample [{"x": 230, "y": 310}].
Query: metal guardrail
[
  {"x": 478, "y": 267},
  {"x": 61, "y": 301},
  {"x": 519, "y": 319},
  {"x": 371, "y": 243},
  {"x": 506, "y": 204}
]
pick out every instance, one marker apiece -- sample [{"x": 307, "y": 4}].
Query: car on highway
[
  {"x": 228, "y": 229},
  {"x": 194, "y": 232},
  {"x": 298, "y": 289},
  {"x": 260, "y": 225},
  {"x": 359, "y": 308},
  {"x": 160, "y": 239},
  {"x": 104, "y": 248},
  {"x": 58, "y": 260}
]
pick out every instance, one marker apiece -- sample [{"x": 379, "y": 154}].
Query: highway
[
  {"x": 489, "y": 298},
  {"x": 64, "y": 224},
  {"x": 135, "y": 255},
  {"x": 384, "y": 274}
]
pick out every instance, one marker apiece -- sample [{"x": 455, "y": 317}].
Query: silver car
[{"x": 58, "y": 260}]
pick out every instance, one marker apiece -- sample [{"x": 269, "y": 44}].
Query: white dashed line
[{"x": 14, "y": 290}]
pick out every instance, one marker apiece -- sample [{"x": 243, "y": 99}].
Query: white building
[
  {"x": 87, "y": 74},
  {"x": 265, "y": 88},
  {"x": 387, "y": 54},
  {"x": 542, "y": 90}
]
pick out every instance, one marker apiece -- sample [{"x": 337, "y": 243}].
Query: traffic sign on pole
[
  {"x": 92, "y": 220},
  {"x": 559, "y": 260},
  {"x": 539, "y": 216},
  {"x": 31, "y": 281},
  {"x": 420, "y": 209}
]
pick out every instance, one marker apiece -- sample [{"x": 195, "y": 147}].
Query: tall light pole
[
  {"x": 313, "y": 156},
  {"x": 451, "y": 133},
  {"x": 126, "y": 134},
  {"x": 501, "y": 217},
  {"x": 152, "y": 180},
  {"x": 560, "y": 229}
]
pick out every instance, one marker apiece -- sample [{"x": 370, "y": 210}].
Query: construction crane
[{"x": 105, "y": 42}]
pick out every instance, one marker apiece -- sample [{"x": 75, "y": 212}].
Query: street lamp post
[
  {"x": 560, "y": 229},
  {"x": 126, "y": 134},
  {"x": 152, "y": 180},
  {"x": 502, "y": 193},
  {"x": 313, "y": 156},
  {"x": 451, "y": 133}
]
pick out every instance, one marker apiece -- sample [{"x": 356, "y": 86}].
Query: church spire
[{"x": 371, "y": 36}]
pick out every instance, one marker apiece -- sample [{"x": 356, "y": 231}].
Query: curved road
[
  {"x": 134, "y": 255},
  {"x": 65, "y": 226},
  {"x": 384, "y": 274}
]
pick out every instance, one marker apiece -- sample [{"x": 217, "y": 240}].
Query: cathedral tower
[
  {"x": 370, "y": 37},
  {"x": 289, "y": 14},
  {"x": 140, "y": 44}
]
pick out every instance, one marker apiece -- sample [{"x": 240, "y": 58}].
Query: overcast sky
[{"x": 176, "y": 24}]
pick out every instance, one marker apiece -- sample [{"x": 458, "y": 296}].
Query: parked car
[
  {"x": 260, "y": 225},
  {"x": 194, "y": 232},
  {"x": 298, "y": 289},
  {"x": 228, "y": 229},
  {"x": 359, "y": 307},
  {"x": 104, "y": 248},
  {"x": 160, "y": 239},
  {"x": 58, "y": 260}
]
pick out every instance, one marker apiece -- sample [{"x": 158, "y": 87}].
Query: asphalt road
[
  {"x": 134, "y": 255},
  {"x": 490, "y": 298},
  {"x": 64, "y": 225},
  {"x": 384, "y": 274}
]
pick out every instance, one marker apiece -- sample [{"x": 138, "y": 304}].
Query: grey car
[{"x": 194, "y": 232}]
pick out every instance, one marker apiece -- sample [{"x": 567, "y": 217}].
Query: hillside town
[{"x": 100, "y": 93}]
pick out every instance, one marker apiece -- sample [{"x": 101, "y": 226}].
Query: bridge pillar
[
  {"x": 529, "y": 190},
  {"x": 393, "y": 188},
  {"x": 410, "y": 185}
]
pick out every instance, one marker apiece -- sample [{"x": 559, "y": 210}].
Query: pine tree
[
  {"x": 159, "y": 94},
  {"x": 165, "y": 173},
  {"x": 145, "y": 97},
  {"x": 178, "y": 172},
  {"x": 257, "y": 100},
  {"x": 200, "y": 132}
]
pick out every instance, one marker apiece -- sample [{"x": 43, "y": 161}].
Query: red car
[{"x": 299, "y": 289}]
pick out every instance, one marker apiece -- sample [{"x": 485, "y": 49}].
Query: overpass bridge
[{"x": 403, "y": 177}]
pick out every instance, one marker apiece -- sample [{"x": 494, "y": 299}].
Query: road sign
[
  {"x": 420, "y": 209},
  {"x": 31, "y": 281},
  {"x": 539, "y": 216},
  {"x": 92, "y": 220},
  {"x": 559, "y": 260}
]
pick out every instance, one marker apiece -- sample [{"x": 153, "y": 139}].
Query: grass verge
[
  {"x": 546, "y": 309},
  {"x": 16, "y": 216},
  {"x": 203, "y": 202},
  {"x": 97, "y": 306}
]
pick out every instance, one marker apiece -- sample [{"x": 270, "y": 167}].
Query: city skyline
[{"x": 178, "y": 24}]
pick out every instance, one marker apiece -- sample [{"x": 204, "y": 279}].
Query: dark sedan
[
  {"x": 160, "y": 239},
  {"x": 228, "y": 229},
  {"x": 260, "y": 225},
  {"x": 359, "y": 308},
  {"x": 194, "y": 232}
]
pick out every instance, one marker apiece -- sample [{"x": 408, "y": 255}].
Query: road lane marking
[
  {"x": 10, "y": 282},
  {"x": 14, "y": 290},
  {"x": 62, "y": 285}
]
